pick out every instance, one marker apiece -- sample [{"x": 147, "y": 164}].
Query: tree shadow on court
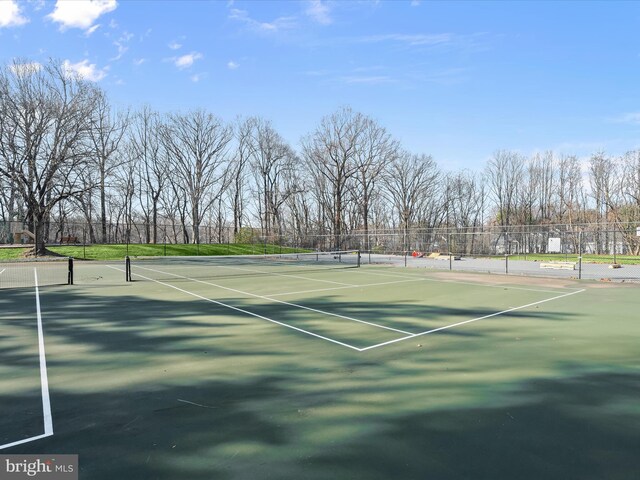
[
  {"x": 130, "y": 323},
  {"x": 574, "y": 428},
  {"x": 169, "y": 389},
  {"x": 583, "y": 427},
  {"x": 159, "y": 433}
]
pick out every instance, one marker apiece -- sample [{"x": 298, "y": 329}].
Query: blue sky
[{"x": 457, "y": 80}]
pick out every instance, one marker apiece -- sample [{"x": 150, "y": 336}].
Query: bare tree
[
  {"x": 571, "y": 194},
  {"x": 505, "y": 174},
  {"x": 272, "y": 161},
  {"x": 631, "y": 191},
  {"x": 602, "y": 177},
  {"x": 330, "y": 152},
  {"x": 409, "y": 182},
  {"x": 631, "y": 184},
  {"x": 124, "y": 186},
  {"x": 375, "y": 150},
  {"x": 238, "y": 170},
  {"x": 106, "y": 136},
  {"x": 145, "y": 146},
  {"x": 196, "y": 145},
  {"x": 45, "y": 124}
]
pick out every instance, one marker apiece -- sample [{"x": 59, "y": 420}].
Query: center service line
[
  {"x": 245, "y": 311},
  {"x": 276, "y": 300}
]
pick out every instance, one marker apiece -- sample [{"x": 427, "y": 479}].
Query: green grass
[
  {"x": 11, "y": 253},
  {"x": 118, "y": 252}
]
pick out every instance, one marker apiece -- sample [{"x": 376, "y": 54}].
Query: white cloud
[
  {"x": 316, "y": 73},
  {"x": 368, "y": 80},
  {"x": 231, "y": 65},
  {"x": 414, "y": 40},
  {"x": 80, "y": 13},
  {"x": 197, "y": 77},
  {"x": 186, "y": 61},
  {"x": 10, "y": 14},
  {"x": 121, "y": 44},
  {"x": 174, "y": 45},
  {"x": 415, "y": 3},
  {"x": 279, "y": 24},
  {"x": 88, "y": 32},
  {"x": 38, "y": 5},
  {"x": 22, "y": 69},
  {"x": 85, "y": 70},
  {"x": 633, "y": 118},
  {"x": 139, "y": 61},
  {"x": 319, "y": 12}
]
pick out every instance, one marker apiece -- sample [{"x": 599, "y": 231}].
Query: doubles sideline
[{"x": 44, "y": 379}]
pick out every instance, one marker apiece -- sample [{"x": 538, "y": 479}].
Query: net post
[
  {"x": 70, "y": 272},
  {"x": 450, "y": 261},
  {"x": 358, "y": 263},
  {"x": 506, "y": 264},
  {"x": 127, "y": 268}
]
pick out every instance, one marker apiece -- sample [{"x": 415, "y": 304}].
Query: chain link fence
[{"x": 602, "y": 250}]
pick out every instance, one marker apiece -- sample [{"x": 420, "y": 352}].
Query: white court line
[
  {"x": 243, "y": 311},
  {"x": 44, "y": 381},
  {"x": 469, "y": 321},
  {"x": 26, "y": 440},
  {"x": 276, "y": 300},
  {"x": 501, "y": 285},
  {"x": 343, "y": 288}
]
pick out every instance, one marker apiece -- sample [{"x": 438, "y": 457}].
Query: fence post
[
  {"x": 450, "y": 261},
  {"x": 580, "y": 267},
  {"x": 506, "y": 264}
]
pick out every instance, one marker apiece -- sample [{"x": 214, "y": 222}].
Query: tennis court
[{"x": 318, "y": 367}]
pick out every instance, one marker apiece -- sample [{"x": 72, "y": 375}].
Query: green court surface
[{"x": 356, "y": 373}]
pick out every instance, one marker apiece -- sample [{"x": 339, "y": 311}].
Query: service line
[
  {"x": 469, "y": 321},
  {"x": 237, "y": 309},
  {"x": 303, "y": 307}
]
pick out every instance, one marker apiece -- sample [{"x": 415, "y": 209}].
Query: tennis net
[
  {"x": 47, "y": 270},
  {"x": 185, "y": 268}
]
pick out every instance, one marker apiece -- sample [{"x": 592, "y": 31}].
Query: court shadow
[
  {"x": 582, "y": 427},
  {"x": 183, "y": 389}
]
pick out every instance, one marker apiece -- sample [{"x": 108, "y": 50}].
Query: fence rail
[
  {"x": 603, "y": 243},
  {"x": 614, "y": 239}
]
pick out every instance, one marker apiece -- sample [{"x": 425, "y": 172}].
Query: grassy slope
[{"x": 115, "y": 252}]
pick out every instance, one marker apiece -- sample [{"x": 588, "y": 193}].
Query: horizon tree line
[{"x": 66, "y": 155}]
